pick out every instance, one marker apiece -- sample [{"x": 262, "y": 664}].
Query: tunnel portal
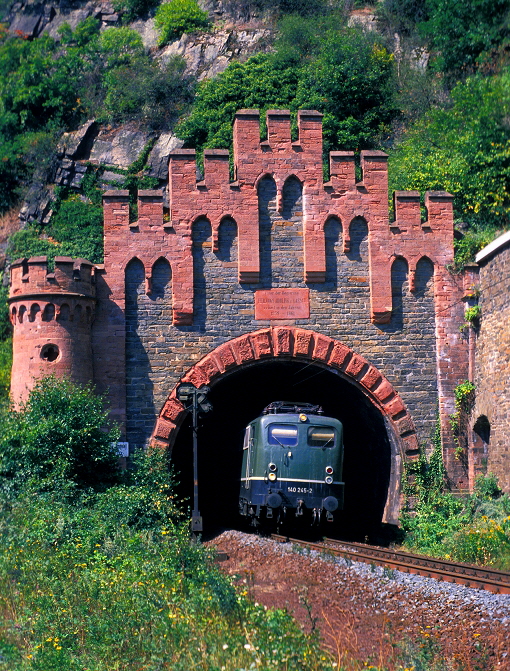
[{"x": 240, "y": 396}]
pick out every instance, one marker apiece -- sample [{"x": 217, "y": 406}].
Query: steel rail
[{"x": 479, "y": 577}]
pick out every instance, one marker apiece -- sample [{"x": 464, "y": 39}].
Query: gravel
[{"x": 363, "y": 609}]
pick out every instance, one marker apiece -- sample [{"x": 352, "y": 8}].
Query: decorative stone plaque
[{"x": 282, "y": 304}]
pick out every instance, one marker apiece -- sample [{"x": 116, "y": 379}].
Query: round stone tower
[{"x": 52, "y": 313}]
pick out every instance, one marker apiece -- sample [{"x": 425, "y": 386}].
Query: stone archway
[{"x": 292, "y": 343}]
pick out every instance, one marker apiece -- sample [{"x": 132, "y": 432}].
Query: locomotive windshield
[
  {"x": 321, "y": 436},
  {"x": 285, "y": 435}
]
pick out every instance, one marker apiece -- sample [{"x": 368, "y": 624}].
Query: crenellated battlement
[
  {"x": 262, "y": 252},
  {"x": 33, "y": 276}
]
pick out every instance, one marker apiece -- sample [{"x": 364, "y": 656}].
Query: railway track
[{"x": 479, "y": 577}]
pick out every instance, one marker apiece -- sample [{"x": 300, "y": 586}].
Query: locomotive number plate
[{"x": 300, "y": 490}]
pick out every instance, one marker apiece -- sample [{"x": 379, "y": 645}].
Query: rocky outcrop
[
  {"x": 31, "y": 18},
  {"x": 208, "y": 54},
  {"x": 157, "y": 164}
]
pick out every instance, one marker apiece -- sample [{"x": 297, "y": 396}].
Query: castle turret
[{"x": 51, "y": 313}]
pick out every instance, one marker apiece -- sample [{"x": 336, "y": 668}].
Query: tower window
[{"x": 50, "y": 353}]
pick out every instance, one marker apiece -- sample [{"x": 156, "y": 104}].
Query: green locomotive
[{"x": 292, "y": 463}]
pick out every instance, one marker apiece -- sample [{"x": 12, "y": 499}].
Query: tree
[
  {"x": 60, "y": 436},
  {"x": 463, "y": 148},
  {"x": 460, "y": 32}
]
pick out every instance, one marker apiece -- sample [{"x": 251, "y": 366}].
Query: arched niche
[
  {"x": 357, "y": 246},
  {"x": 399, "y": 288},
  {"x": 227, "y": 240},
  {"x": 423, "y": 276},
  {"x": 160, "y": 280},
  {"x": 34, "y": 311},
  {"x": 333, "y": 245},
  {"x": 292, "y": 198},
  {"x": 48, "y": 312}
]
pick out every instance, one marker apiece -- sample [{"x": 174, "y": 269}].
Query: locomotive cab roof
[{"x": 288, "y": 407}]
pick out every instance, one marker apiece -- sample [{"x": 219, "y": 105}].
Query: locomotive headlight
[
  {"x": 329, "y": 470},
  {"x": 272, "y": 477},
  {"x": 302, "y": 417},
  {"x": 328, "y": 480}
]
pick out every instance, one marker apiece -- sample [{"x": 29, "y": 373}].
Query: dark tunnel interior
[{"x": 240, "y": 397}]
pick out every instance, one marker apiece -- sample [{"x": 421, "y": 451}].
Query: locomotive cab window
[
  {"x": 321, "y": 436},
  {"x": 247, "y": 436},
  {"x": 285, "y": 435}
]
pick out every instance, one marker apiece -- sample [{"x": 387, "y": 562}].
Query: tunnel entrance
[{"x": 240, "y": 396}]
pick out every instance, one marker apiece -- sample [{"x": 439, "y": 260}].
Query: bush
[
  {"x": 177, "y": 17},
  {"x": 5, "y": 369},
  {"x": 76, "y": 230},
  {"x": 60, "y": 438},
  {"x": 134, "y": 9},
  {"x": 78, "y": 226},
  {"x": 27, "y": 242},
  {"x": 121, "y": 46},
  {"x": 462, "y": 148},
  {"x": 147, "y": 92}
]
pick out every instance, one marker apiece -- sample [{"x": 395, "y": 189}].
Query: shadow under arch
[
  {"x": 399, "y": 286},
  {"x": 137, "y": 362},
  {"x": 292, "y": 198},
  {"x": 266, "y": 194},
  {"x": 357, "y": 240},
  {"x": 201, "y": 233},
  {"x": 227, "y": 240},
  {"x": 250, "y": 371},
  {"x": 424, "y": 276}
]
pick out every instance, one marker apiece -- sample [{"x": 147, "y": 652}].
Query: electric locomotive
[{"x": 292, "y": 464}]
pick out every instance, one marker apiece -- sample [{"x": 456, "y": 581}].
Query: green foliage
[
  {"x": 464, "y": 395},
  {"x": 97, "y": 569},
  {"x": 341, "y": 71},
  {"x": 487, "y": 487},
  {"x": 463, "y": 149},
  {"x": 402, "y": 16},
  {"x": 474, "y": 529},
  {"x": 134, "y": 9},
  {"x": 460, "y": 32},
  {"x": 59, "y": 438},
  {"x": 177, "y": 17},
  {"x": 472, "y": 315},
  {"x": 464, "y": 399},
  {"x": 5, "y": 324},
  {"x": 298, "y": 7},
  {"x": 82, "y": 592},
  {"x": 147, "y": 92},
  {"x": 78, "y": 226},
  {"x": 48, "y": 86},
  {"x": 5, "y": 368},
  {"x": 121, "y": 46},
  {"x": 75, "y": 230},
  {"x": 475, "y": 239},
  {"x": 431, "y": 513},
  {"x": 27, "y": 242}
]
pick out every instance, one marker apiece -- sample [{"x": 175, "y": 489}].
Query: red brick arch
[
  {"x": 290, "y": 342},
  {"x": 295, "y": 343}
]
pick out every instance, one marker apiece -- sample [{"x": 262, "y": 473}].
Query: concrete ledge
[{"x": 493, "y": 247}]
